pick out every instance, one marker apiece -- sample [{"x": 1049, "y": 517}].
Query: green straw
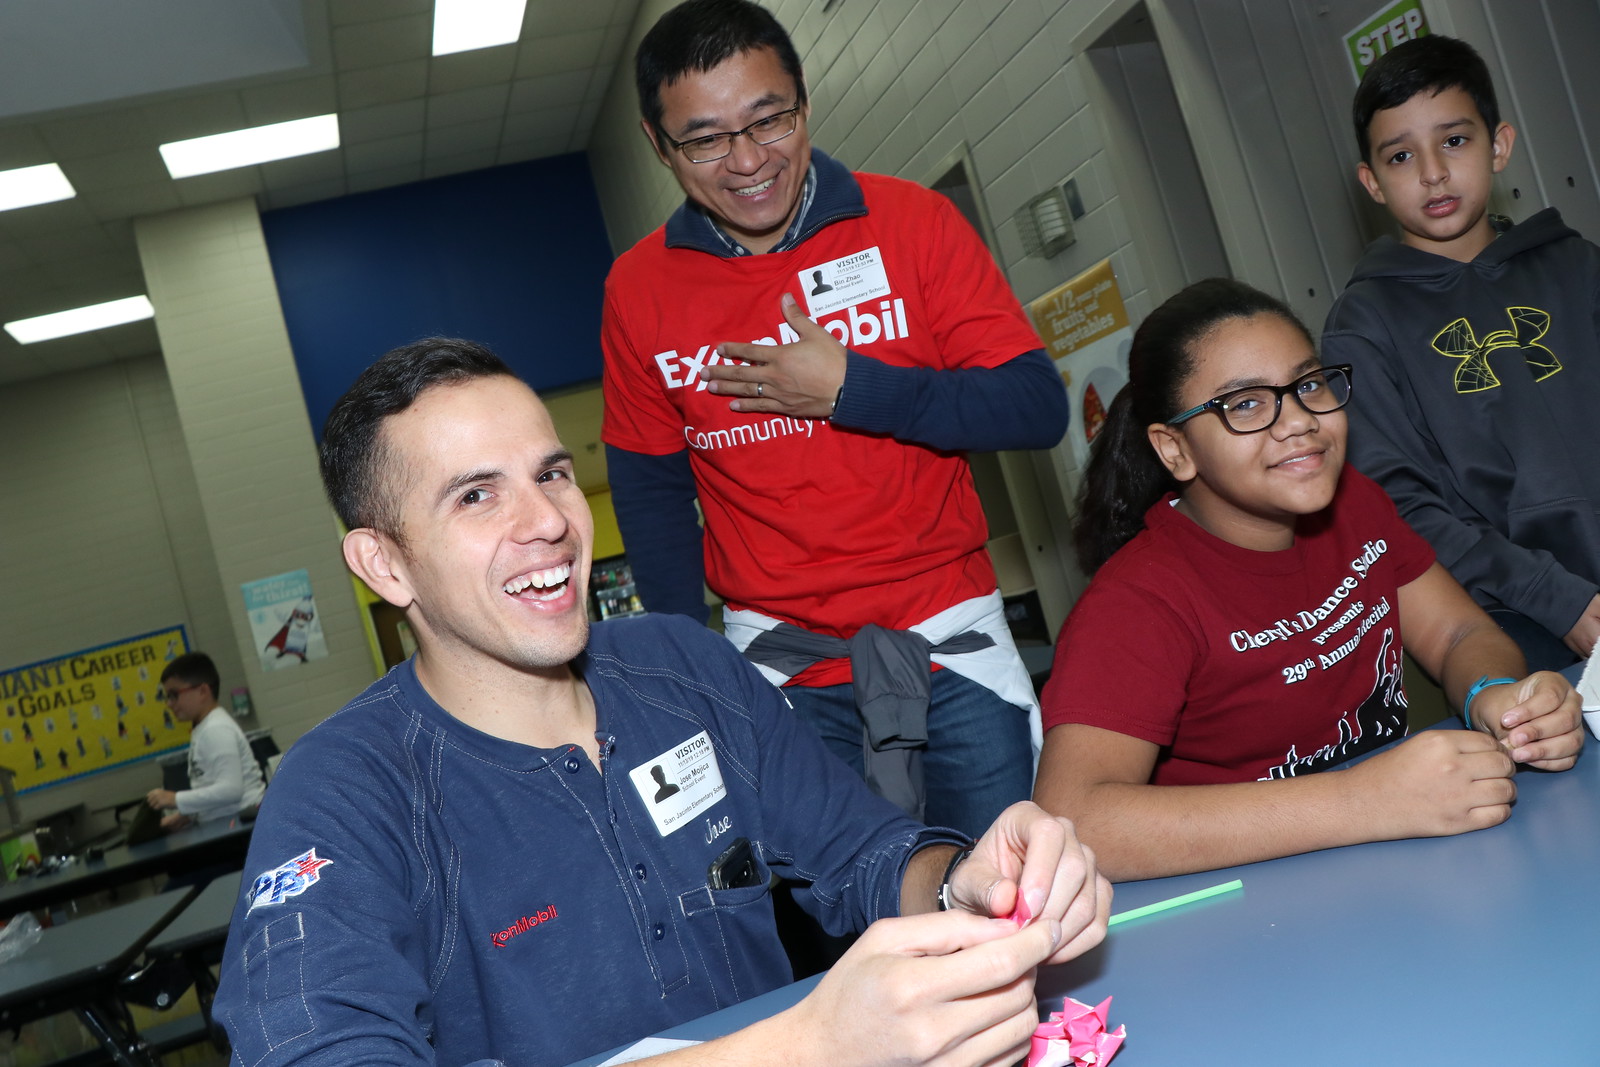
[{"x": 1176, "y": 902}]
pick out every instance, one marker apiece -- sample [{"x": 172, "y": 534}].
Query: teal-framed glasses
[
  {"x": 713, "y": 146},
  {"x": 1257, "y": 407}
]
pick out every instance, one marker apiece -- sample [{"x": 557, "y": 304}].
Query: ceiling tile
[
  {"x": 554, "y": 55},
  {"x": 343, "y": 12},
  {"x": 462, "y": 138},
  {"x": 438, "y": 168},
  {"x": 552, "y": 123},
  {"x": 550, "y": 90},
  {"x": 368, "y": 180},
  {"x": 223, "y": 185},
  {"x": 195, "y": 116},
  {"x": 304, "y": 194},
  {"x": 384, "y": 154},
  {"x": 21, "y": 146},
  {"x": 12, "y": 256},
  {"x": 131, "y": 166},
  {"x": 132, "y": 339},
  {"x": 383, "y": 85},
  {"x": 373, "y": 44},
  {"x": 531, "y": 148},
  {"x": 128, "y": 201},
  {"x": 46, "y": 218},
  {"x": 288, "y": 100},
  {"x": 468, "y": 70},
  {"x": 553, "y": 20},
  {"x": 74, "y": 244},
  {"x": 302, "y": 170},
  {"x": 381, "y": 122},
  {"x": 92, "y": 135},
  {"x": 467, "y": 105}
]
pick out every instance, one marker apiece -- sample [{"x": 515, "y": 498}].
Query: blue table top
[
  {"x": 1477, "y": 948},
  {"x": 1480, "y": 948}
]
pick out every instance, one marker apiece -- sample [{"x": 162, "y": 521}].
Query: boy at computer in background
[{"x": 1477, "y": 349}]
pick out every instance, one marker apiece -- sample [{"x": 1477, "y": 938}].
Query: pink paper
[{"x": 1076, "y": 1036}]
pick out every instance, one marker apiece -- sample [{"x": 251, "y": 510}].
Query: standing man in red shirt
[{"x": 808, "y": 352}]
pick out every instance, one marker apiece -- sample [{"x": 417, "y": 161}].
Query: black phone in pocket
[{"x": 735, "y": 868}]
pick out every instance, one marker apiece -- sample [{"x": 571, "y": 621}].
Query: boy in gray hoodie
[{"x": 1477, "y": 344}]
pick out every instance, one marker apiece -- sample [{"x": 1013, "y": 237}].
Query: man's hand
[
  {"x": 800, "y": 379},
  {"x": 1586, "y": 631},
  {"x": 943, "y": 988},
  {"x": 1437, "y": 783},
  {"x": 174, "y": 821},
  {"x": 1030, "y": 864},
  {"x": 161, "y": 798},
  {"x": 1539, "y": 719}
]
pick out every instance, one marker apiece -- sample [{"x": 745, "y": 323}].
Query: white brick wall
[{"x": 245, "y": 425}]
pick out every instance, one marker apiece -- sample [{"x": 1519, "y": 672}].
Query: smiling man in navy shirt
[{"x": 536, "y": 840}]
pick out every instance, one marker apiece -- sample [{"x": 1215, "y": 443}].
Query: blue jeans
[{"x": 979, "y": 758}]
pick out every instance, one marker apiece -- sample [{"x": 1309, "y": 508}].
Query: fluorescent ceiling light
[
  {"x": 27, "y": 186},
  {"x": 244, "y": 148},
  {"x": 81, "y": 320},
  {"x": 462, "y": 25}
]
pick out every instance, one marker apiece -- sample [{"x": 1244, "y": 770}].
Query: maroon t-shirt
[{"x": 1246, "y": 665}]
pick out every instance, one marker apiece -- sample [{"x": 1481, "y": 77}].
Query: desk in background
[
  {"x": 1480, "y": 948},
  {"x": 219, "y": 842},
  {"x": 76, "y": 966}
]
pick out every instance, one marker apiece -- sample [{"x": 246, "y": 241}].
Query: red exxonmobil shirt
[{"x": 822, "y": 526}]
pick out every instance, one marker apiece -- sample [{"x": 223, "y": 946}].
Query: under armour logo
[{"x": 1474, "y": 375}]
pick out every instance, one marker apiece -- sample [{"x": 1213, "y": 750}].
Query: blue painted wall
[{"x": 514, "y": 257}]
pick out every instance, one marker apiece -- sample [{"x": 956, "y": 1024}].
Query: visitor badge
[
  {"x": 838, "y": 283},
  {"x": 679, "y": 783}
]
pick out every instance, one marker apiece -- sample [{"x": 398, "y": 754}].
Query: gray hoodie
[{"x": 1477, "y": 395}]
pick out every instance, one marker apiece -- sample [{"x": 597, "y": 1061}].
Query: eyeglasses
[
  {"x": 171, "y": 695},
  {"x": 1257, "y": 407},
  {"x": 713, "y": 146}
]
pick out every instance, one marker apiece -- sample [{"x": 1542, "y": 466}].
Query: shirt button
[
  {"x": 638, "y": 872},
  {"x": 572, "y": 765},
  {"x": 660, "y": 931}
]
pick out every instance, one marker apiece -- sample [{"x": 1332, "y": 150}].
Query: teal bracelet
[{"x": 1477, "y": 687}]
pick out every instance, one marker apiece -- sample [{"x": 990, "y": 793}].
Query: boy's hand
[
  {"x": 1586, "y": 631},
  {"x": 1539, "y": 720},
  {"x": 1030, "y": 864},
  {"x": 1437, "y": 783}
]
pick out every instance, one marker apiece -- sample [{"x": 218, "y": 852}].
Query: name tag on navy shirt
[{"x": 679, "y": 783}]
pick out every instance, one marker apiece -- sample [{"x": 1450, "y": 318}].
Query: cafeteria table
[
  {"x": 76, "y": 966},
  {"x": 1478, "y": 948},
  {"x": 208, "y": 844},
  {"x": 197, "y": 935}
]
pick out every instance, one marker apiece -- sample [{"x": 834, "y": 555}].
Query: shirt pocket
[
  {"x": 702, "y": 899},
  {"x": 275, "y": 1011}
]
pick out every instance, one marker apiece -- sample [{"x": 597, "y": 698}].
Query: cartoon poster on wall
[
  {"x": 283, "y": 620},
  {"x": 1085, "y": 327},
  {"x": 89, "y": 711}
]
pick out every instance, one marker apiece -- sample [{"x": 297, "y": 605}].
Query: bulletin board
[{"x": 89, "y": 711}]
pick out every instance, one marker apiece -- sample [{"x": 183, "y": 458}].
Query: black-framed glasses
[
  {"x": 171, "y": 695},
  {"x": 1256, "y": 407},
  {"x": 713, "y": 146}
]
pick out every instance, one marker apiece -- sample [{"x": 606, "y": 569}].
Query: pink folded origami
[{"x": 1075, "y": 1036}]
